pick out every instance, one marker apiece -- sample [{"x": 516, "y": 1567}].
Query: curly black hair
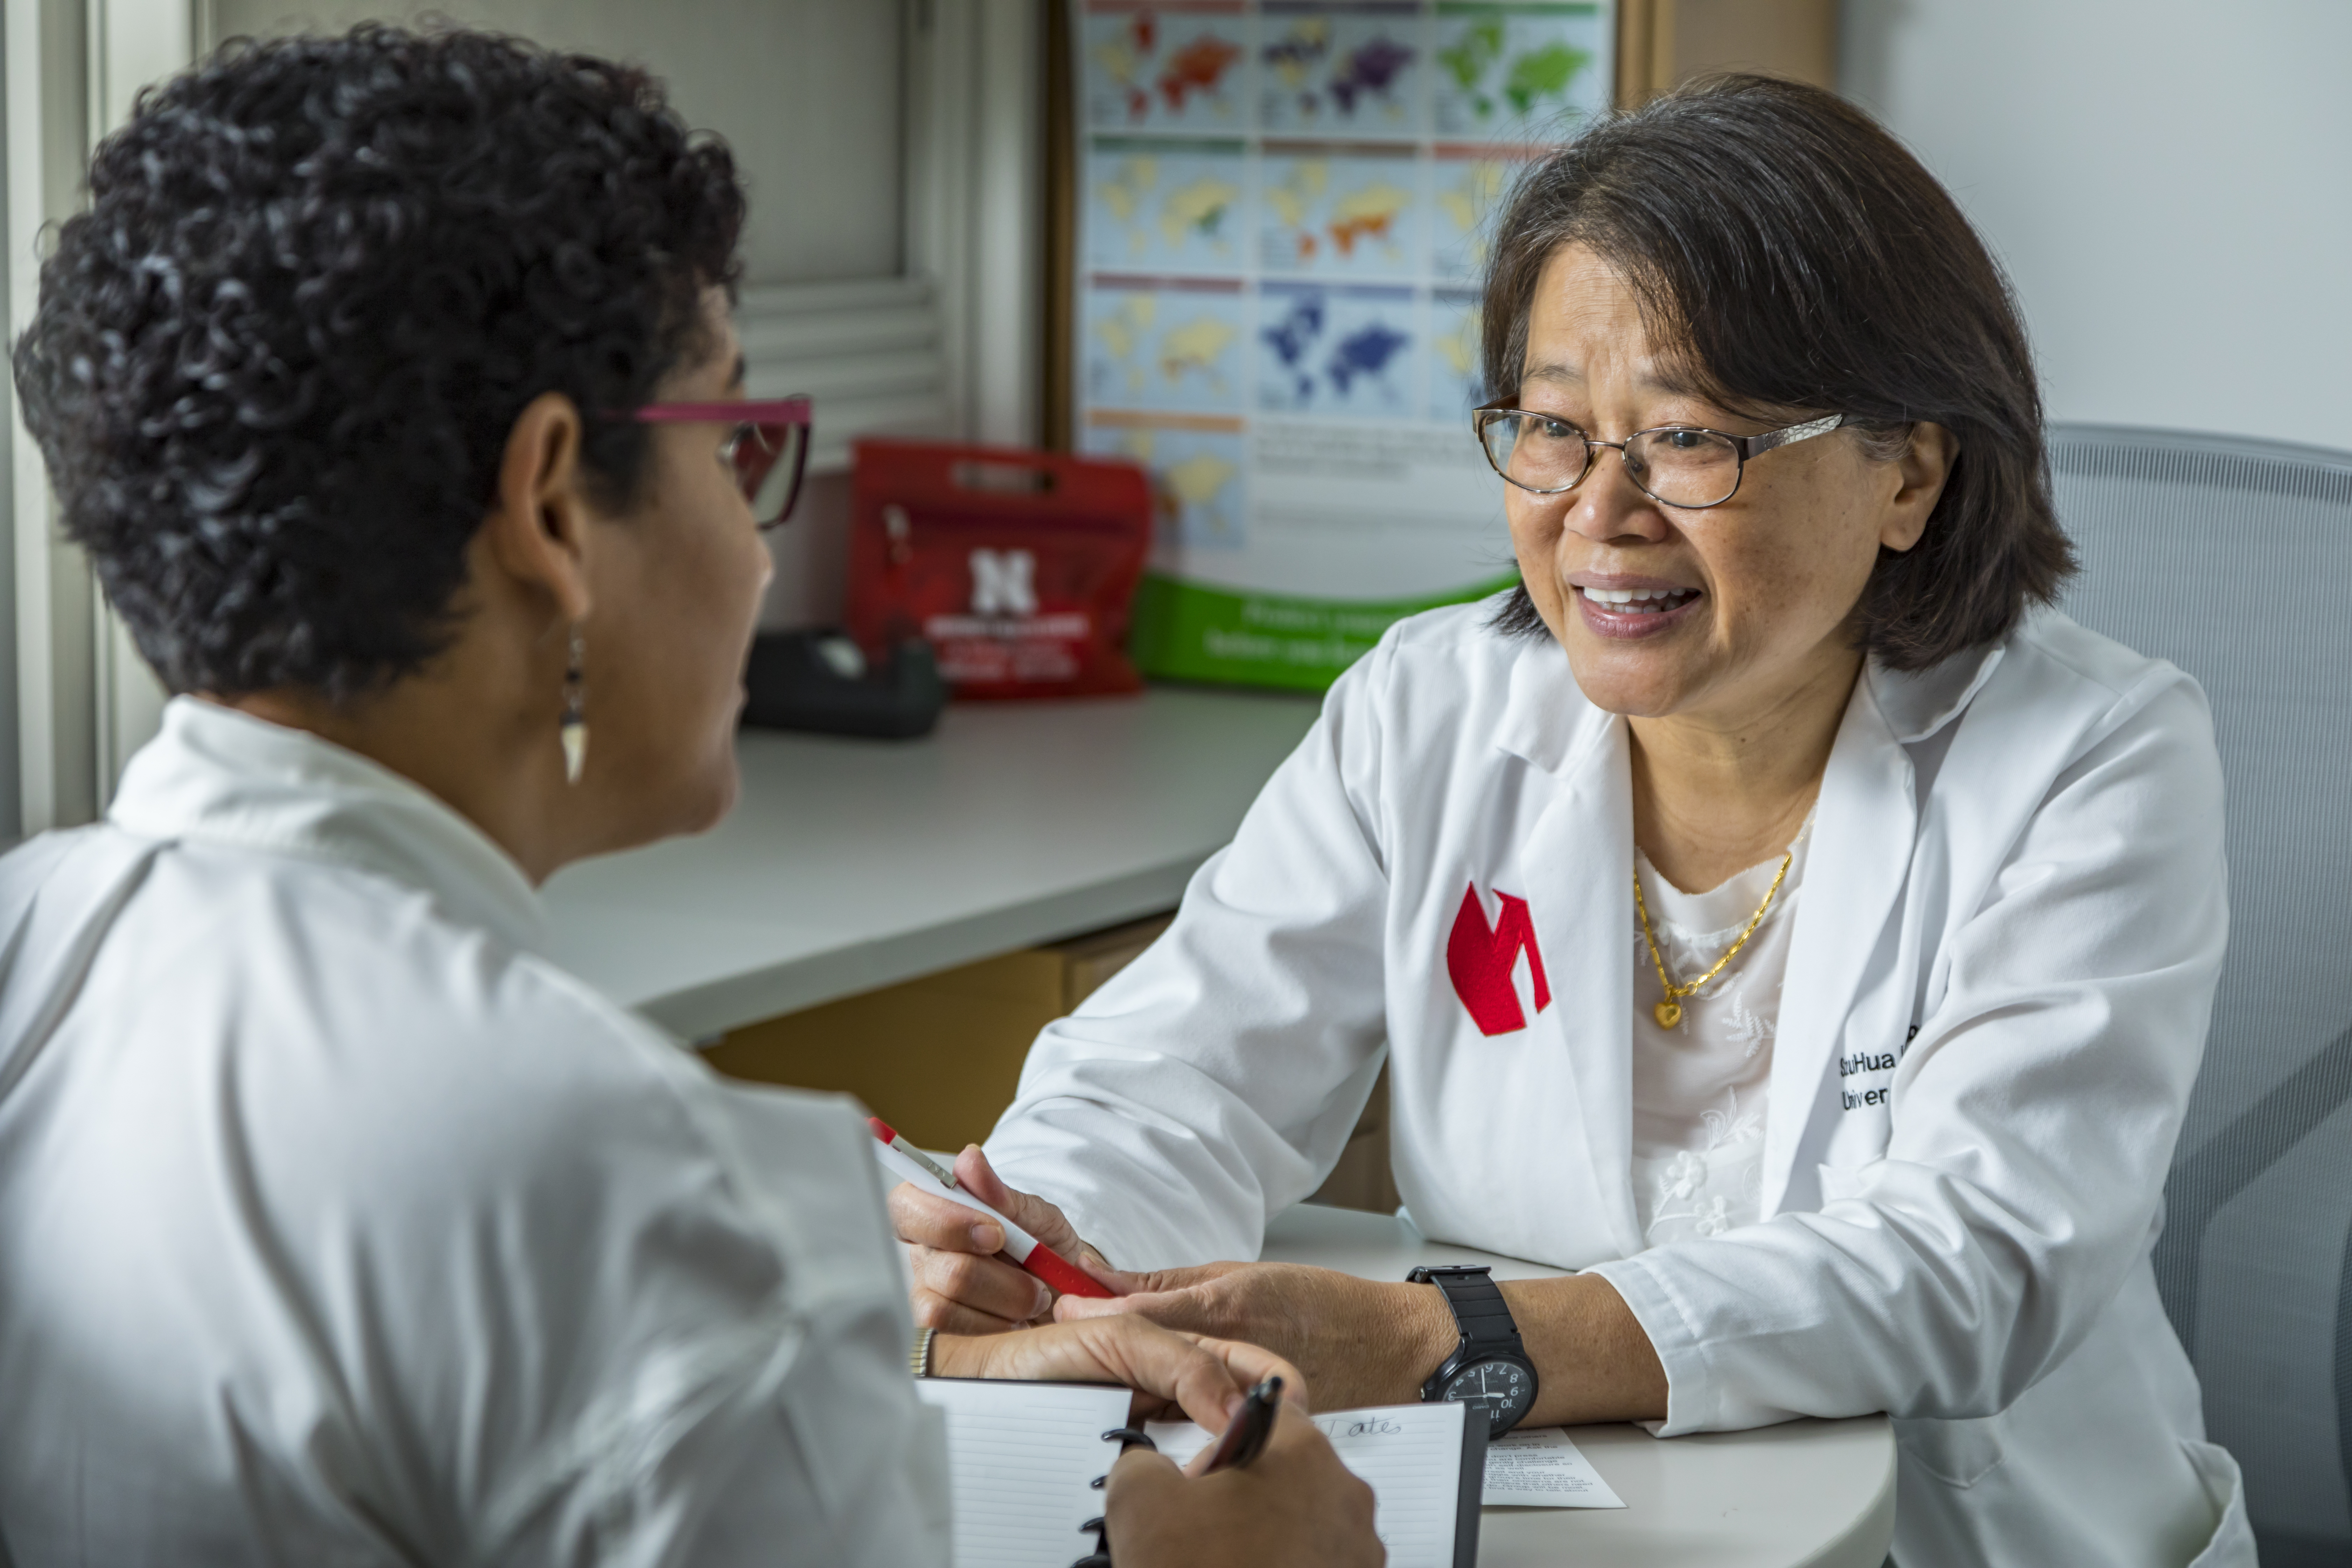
[{"x": 276, "y": 363}]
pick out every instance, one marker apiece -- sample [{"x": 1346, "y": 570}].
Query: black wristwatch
[{"x": 1490, "y": 1366}]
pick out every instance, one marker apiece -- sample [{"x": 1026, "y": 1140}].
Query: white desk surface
[
  {"x": 848, "y": 865},
  {"x": 1819, "y": 1494}
]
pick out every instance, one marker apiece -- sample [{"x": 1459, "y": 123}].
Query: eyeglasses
[
  {"x": 1682, "y": 465},
  {"x": 768, "y": 449}
]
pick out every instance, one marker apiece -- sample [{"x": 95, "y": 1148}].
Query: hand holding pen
[
  {"x": 919, "y": 1172},
  {"x": 1245, "y": 1436},
  {"x": 1285, "y": 1490},
  {"x": 966, "y": 1280}
]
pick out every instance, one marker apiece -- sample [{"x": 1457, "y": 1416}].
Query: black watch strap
[{"x": 1479, "y": 1309}]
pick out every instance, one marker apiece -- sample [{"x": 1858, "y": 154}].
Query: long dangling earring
[{"x": 572, "y": 728}]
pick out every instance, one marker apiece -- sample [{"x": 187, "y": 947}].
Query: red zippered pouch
[{"x": 1018, "y": 567}]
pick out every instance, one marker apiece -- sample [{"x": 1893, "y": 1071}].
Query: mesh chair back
[{"x": 2233, "y": 559}]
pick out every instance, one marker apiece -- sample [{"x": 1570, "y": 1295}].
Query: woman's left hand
[
  {"x": 1205, "y": 1378},
  {"x": 1360, "y": 1341}
]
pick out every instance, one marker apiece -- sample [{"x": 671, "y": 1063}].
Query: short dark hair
[
  {"x": 276, "y": 363},
  {"x": 1788, "y": 254}
]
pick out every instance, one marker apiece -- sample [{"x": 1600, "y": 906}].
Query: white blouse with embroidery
[{"x": 1700, "y": 1089}]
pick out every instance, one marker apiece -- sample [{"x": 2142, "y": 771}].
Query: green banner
[{"x": 1184, "y": 631}]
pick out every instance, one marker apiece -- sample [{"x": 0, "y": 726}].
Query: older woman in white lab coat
[
  {"x": 1773, "y": 910},
  {"x": 337, "y": 1223}
]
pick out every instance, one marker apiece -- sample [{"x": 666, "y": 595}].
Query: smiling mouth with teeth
[{"x": 1639, "y": 601}]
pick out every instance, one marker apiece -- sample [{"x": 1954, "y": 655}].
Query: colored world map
[
  {"x": 1349, "y": 217},
  {"x": 1195, "y": 480},
  {"x": 1331, "y": 351},
  {"x": 1151, "y": 69},
  {"x": 1341, "y": 71},
  {"x": 1285, "y": 210},
  {"x": 1516, "y": 71},
  {"x": 1169, "y": 210},
  {"x": 1153, "y": 350}
]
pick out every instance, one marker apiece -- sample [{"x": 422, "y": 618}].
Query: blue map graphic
[
  {"x": 1364, "y": 352},
  {"x": 1331, "y": 351},
  {"x": 1291, "y": 339}
]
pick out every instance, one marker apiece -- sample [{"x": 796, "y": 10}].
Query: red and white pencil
[
  {"x": 909, "y": 1163},
  {"x": 890, "y": 1135}
]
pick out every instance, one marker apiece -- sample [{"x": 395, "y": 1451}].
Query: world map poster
[{"x": 1285, "y": 209}]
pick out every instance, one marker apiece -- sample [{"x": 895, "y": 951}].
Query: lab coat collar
[
  {"x": 218, "y": 776},
  {"x": 1546, "y": 717},
  {"x": 1578, "y": 887},
  {"x": 1865, "y": 825},
  {"x": 1917, "y": 704}
]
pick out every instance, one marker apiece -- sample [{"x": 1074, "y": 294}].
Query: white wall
[
  {"x": 807, "y": 94},
  {"x": 2168, "y": 183},
  {"x": 893, "y": 260}
]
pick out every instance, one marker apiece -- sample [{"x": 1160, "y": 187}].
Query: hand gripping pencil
[{"x": 909, "y": 1165}]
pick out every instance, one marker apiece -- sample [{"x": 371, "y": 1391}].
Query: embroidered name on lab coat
[
  {"x": 1479, "y": 959},
  {"x": 1863, "y": 1062}
]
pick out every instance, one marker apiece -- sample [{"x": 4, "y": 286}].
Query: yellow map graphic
[
  {"x": 1118, "y": 57},
  {"x": 1201, "y": 206},
  {"x": 1308, "y": 40},
  {"x": 1199, "y": 482},
  {"x": 1366, "y": 213},
  {"x": 1460, "y": 348},
  {"x": 1125, "y": 193},
  {"x": 1196, "y": 207},
  {"x": 1300, "y": 187},
  {"x": 1198, "y": 344},
  {"x": 1467, "y": 202}
]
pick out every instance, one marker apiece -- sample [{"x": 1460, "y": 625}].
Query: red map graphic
[{"x": 1199, "y": 67}]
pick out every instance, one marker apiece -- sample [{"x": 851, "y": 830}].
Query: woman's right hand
[
  {"x": 1296, "y": 1504},
  {"x": 961, "y": 1286}
]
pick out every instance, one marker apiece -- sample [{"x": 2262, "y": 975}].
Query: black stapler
[{"x": 822, "y": 680}]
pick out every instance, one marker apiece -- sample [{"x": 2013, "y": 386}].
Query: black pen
[{"x": 1246, "y": 1433}]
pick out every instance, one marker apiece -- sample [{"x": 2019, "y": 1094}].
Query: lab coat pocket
[
  {"x": 2232, "y": 1544},
  {"x": 1958, "y": 1453}
]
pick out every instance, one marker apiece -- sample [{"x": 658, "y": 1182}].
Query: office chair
[{"x": 2234, "y": 559}]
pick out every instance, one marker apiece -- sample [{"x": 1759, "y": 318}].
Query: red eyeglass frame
[{"x": 771, "y": 421}]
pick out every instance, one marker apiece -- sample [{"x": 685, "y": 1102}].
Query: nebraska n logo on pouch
[{"x": 1003, "y": 583}]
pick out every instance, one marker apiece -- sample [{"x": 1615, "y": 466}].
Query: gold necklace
[{"x": 1670, "y": 1012}]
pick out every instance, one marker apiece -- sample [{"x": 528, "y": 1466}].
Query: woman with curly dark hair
[{"x": 389, "y": 382}]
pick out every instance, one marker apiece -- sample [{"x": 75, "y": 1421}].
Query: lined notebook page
[
  {"x": 1410, "y": 1455},
  {"x": 1020, "y": 1458}
]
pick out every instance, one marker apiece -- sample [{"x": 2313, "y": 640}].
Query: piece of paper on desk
[
  {"x": 1021, "y": 1458},
  {"x": 1410, "y": 1454},
  {"x": 1542, "y": 1469}
]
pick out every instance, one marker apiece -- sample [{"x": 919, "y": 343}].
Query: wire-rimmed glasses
[
  {"x": 768, "y": 450},
  {"x": 1687, "y": 467}
]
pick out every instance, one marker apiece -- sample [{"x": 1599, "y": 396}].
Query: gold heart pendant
[{"x": 1668, "y": 1013}]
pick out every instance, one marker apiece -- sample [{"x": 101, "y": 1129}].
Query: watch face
[{"x": 1504, "y": 1387}]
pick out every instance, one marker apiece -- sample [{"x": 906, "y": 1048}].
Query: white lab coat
[
  {"x": 338, "y": 1227},
  {"x": 1996, "y": 1002}
]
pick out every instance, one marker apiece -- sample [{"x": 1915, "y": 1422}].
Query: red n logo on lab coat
[{"x": 1479, "y": 959}]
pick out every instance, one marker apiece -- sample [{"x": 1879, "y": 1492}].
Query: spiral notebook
[{"x": 1023, "y": 1458}]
